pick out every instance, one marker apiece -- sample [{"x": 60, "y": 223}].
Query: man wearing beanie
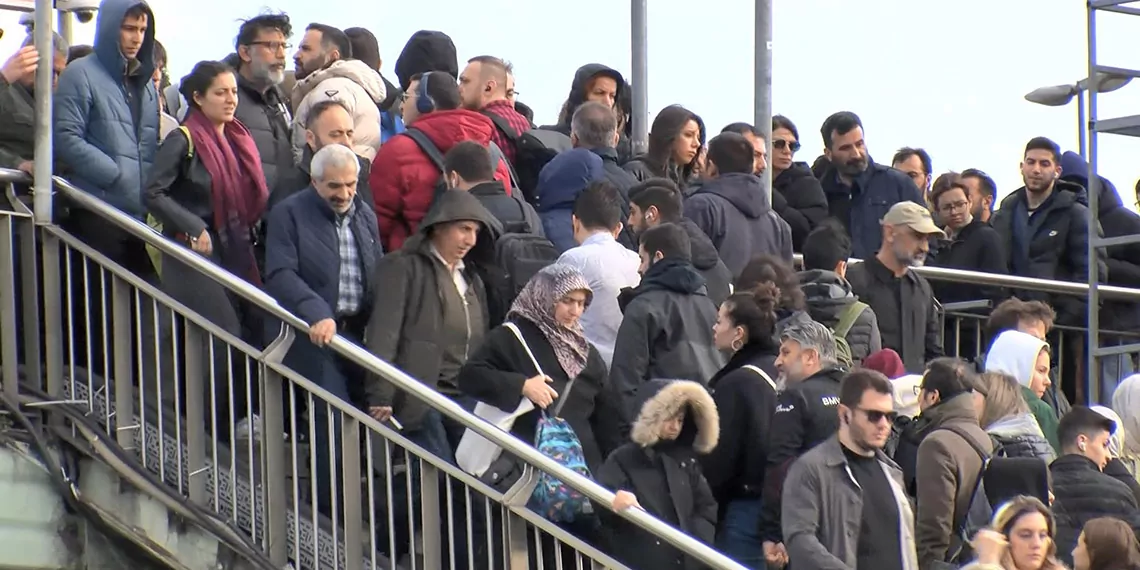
[{"x": 426, "y": 51}]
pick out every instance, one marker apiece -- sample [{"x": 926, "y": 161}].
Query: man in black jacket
[
  {"x": 468, "y": 167},
  {"x": 17, "y": 103},
  {"x": 594, "y": 127},
  {"x": 805, "y": 416},
  {"x": 1083, "y": 492},
  {"x": 666, "y": 330},
  {"x": 329, "y": 123},
  {"x": 828, "y": 294}
]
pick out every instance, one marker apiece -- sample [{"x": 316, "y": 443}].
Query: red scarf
[{"x": 238, "y": 189}]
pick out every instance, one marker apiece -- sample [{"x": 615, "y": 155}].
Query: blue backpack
[{"x": 555, "y": 439}]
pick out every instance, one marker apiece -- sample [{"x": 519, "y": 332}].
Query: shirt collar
[
  {"x": 460, "y": 266},
  {"x": 602, "y": 236}
]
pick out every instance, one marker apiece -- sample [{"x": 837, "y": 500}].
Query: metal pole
[
  {"x": 1082, "y": 126},
  {"x": 42, "y": 187},
  {"x": 65, "y": 26},
  {"x": 639, "y": 37},
  {"x": 763, "y": 79},
  {"x": 1092, "y": 374}
]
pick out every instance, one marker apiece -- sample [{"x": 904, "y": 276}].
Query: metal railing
[{"x": 168, "y": 383}]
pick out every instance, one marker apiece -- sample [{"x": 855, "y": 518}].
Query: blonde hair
[
  {"x": 1009, "y": 513},
  {"x": 1003, "y": 398}
]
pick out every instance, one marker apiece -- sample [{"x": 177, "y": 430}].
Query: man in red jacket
[{"x": 404, "y": 178}]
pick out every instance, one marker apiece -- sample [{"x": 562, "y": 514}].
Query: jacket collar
[
  {"x": 607, "y": 154},
  {"x": 834, "y": 456}
]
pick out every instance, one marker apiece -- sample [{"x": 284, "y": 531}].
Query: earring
[{"x": 737, "y": 345}]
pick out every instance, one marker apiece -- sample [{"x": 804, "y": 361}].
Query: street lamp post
[{"x": 1061, "y": 95}]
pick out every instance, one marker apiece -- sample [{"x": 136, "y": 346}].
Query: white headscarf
[
  {"x": 1117, "y": 437},
  {"x": 1015, "y": 353}
]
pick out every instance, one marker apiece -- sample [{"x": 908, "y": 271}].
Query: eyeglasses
[
  {"x": 273, "y": 46},
  {"x": 955, "y": 206},
  {"x": 783, "y": 144},
  {"x": 876, "y": 416}
]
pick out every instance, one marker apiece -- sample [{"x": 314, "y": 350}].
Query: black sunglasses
[
  {"x": 782, "y": 144},
  {"x": 876, "y": 416}
]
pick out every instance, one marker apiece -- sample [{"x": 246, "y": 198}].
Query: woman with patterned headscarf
[{"x": 501, "y": 373}]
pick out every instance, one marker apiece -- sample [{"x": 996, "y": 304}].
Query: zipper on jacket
[{"x": 467, "y": 320}]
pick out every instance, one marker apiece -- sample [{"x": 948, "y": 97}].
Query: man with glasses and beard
[
  {"x": 823, "y": 506},
  {"x": 902, "y": 299}
]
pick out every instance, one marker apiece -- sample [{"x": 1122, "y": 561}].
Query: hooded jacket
[
  {"x": 827, "y": 296},
  {"x": 404, "y": 179},
  {"x": 664, "y": 475},
  {"x": 798, "y": 198},
  {"x": 105, "y": 113},
  {"x": 706, "y": 260},
  {"x": 666, "y": 331},
  {"x": 578, "y": 93},
  {"x": 734, "y": 211},
  {"x": 426, "y": 50},
  {"x": 1019, "y": 435},
  {"x": 351, "y": 82},
  {"x": 408, "y": 308},
  {"x": 266, "y": 114},
  {"x": 1052, "y": 244},
  {"x": 1015, "y": 353},
  {"x": 559, "y": 183}
]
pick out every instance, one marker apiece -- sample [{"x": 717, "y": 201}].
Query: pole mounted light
[{"x": 1061, "y": 95}]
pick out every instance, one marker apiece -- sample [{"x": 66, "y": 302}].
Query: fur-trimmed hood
[{"x": 662, "y": 399}]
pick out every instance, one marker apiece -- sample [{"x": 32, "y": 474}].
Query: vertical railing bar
[
  {"x": 273, "y": 470},
  {"x": 53, "y": 317},
  {"x": 9, "y": 337},
  {"x": 193, "y": 344},
  {"x": 124, "y": 403},
  {"x": 29, "y": 253},
  {"x": 350, "y": 468}
]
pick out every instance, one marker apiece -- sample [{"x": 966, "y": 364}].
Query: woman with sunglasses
[{"x": 796, "y": 194}]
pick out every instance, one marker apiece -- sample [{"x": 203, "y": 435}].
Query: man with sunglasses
[{"x": 847, "y": 483}]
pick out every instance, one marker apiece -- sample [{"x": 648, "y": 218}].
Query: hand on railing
[
  {"x": 380, "y": 413},
  {"x": 624, "y": 500},
  {"x": 322, "y": 332},
  {"x": 202, "y": 243}
]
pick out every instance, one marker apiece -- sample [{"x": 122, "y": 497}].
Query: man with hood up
[
  {"x": 734, "y": 210},
  {"x": 592, "y": 82},
  {"x": 106, "y": 119},
  {"x": 426, "y": 50},
  {"x": 324, "y": 71},
  {"x": 1026, "y": 358}
]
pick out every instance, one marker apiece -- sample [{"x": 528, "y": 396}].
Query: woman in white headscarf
[
  {"x": 1026, "y": 358},
  {"x": 1126, "y": 403},
  {"x": 1115, "y": 467}
]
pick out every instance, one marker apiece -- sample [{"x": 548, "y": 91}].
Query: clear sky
[{"x": 946, "y": 76}]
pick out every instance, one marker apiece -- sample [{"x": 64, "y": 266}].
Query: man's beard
[{"x": 853, "y": 167}]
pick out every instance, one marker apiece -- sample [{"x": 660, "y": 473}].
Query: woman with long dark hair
[
  {"x": 208, "y": 191},
  {"x": 1107, "y": 543},
  {"x": 675, "y": 143}
]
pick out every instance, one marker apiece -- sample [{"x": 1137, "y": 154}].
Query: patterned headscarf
[{"x": 536, "y": 302}]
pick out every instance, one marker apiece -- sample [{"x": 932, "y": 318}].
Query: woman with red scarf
[{"x": 208, "y": 190}]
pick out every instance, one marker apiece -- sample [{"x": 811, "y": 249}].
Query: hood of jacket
[
  {"x": 449, "y": 128},
  {"x": 663, "y": 399},
  {"x": 958, "y": 408},
  {"x": 673, "y": 275},
  {"x": 578, "y": 88},
  {"x": 426, "y": 50},
  {"x": 1016, "y": 425},
  {"x": 565, "y": 176},
  {"x": 455, "y": 206},
  {"x": 107, "y": 26},
  {"x": 822, "y": 287},
  {"x": 352, "y": 69},
  {"x": 744, "y": 191},
  {"x": 788, "y": 177},
  {"x": 1126, "y": 402},
  {"x": 1015, "y": 353},
  {"x": 704, "y": 254},
  {"x": 1074, "y": 169}
]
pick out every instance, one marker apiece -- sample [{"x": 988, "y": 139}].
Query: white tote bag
[{"x": 476, "y": 453}]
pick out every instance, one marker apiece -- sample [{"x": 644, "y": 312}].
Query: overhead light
[{"x": 1052, "y": 96}]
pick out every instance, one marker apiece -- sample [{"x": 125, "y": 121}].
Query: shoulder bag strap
[
  {"x": 762, "y": 374},
  {"x": 848, "y": 317},
  {"x": 569, "y": 385}
]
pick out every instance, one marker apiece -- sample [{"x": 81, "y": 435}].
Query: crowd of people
[{"x": 639, "y": 313}]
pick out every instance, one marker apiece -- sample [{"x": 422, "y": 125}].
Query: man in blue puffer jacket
[{"x": 106, "y": 108}]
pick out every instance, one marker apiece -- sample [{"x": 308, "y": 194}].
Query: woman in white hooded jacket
[
  {"x": 1026, "y": 358},
  {"x": 1126, "y": 403}
]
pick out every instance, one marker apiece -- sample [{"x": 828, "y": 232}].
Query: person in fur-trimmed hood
[{"x": 658, "y": 472}]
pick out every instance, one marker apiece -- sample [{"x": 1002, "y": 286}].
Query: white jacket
[{"x": 351, "y": 82}]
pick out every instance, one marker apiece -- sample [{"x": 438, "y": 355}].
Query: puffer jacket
[
  {"x": 1020, "y": 436},
  {"x": 1084, "y": 493},
  {"x": 798, "y": 198},
  {"x": 828, "y": 295},
  {"x": 266, "y": 115},
  {"x": 403, "y": 178},
  {"x": 351, "y": 82},
  {"x": 105, "y": 114}
]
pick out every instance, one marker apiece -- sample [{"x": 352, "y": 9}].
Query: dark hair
[
  {"x": 1111, "y": 544},
  {"x": 251, "y": 28},
  {"x": 76, "y": 52},
  {"x": 333, "y": 37},
  {"x": 471, "y": 161},
  {"x": 949, "y": 376},
  {"x": 1081, "y": 420},
  {"x": 598, "y": 207},
  {"x": 741, "y": 129},
  {"x": 365, "y": 48},
  {"x": 442, "y": 89},
  {"x": 906, "y": 152},
  {"x": 858, "y": 382},
  {"x": 1043, "y": 143},
  {"x": 671, "y": 240},
  {"x": 772, "y": 269},
  {"x": 840, "y": 123},
  {"x": 731, "y": 153},
  {"x": 755, "y": 311},
  {"x": 1008, "y": 315},
  {"x": 782, "y": 122},
  {"x": 137, "y": 11},
  {"x": 826, "y": 246},
  {"x": 660, "y": 192},
  {"x": 985, "y": 183},
  {"x": 200, "y": 79},
  {"x": 319, "y": 109},
  {"x": 667, "y": 126},
  {"x": 160, "y": 62},
  {"x": 945, "y": 183}
]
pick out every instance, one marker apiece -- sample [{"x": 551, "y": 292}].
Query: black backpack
[{"x": 533, "y": 150}]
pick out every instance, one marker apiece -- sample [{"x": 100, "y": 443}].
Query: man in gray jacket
[{"x": 847, "y": 484}]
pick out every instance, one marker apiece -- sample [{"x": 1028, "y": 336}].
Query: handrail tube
[{"x": 370, "y": 362}]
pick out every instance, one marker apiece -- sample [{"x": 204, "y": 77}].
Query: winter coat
[
  {"x": 665, "y": 476},
  {"x": 404, "y": 179},
  {"x": 351, "y": 82},
  {"x": 1020, "y": 436},
  {"x": 666, "y": 332},
  {"x": 1015, "y": 353},
  {"x": 746, "y": 401},
  {"x": 17, "y": 139},
  {"x": 514, "y": 213},
  {"x": 582, "y": 77},
  {"x": 798, "y": 198},
  {"x": 708, "y": 263},
  {"x": 623, "y": 181},
  {"x": 105, "y": 114},
  {"x": 559, "y": 184},
  {"x": 948, "y": 468},
  {"x": 266, "y": 115},
  {"x": 976, "y": 247},
  {"x": 497, "y": 370},
  {"x": 300, "y": 178},
  {"x": 862, "y": 205},
  {"x": 1084, "y": 493},
  {"x": 1053, "y": 244},
  {"x": 911, "y": 324},
  {"x": 408, "y": 307},
  {"x": 828, "y": 295},
  {"x": 734, "y": 211}
]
